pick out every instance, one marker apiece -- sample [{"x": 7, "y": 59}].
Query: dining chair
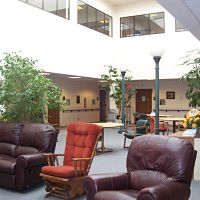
[
  {"x": 163, "y": 126},
  {"x": 140, "y": 128}
]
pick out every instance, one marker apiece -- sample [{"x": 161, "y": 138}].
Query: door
[
  {"x": 102, "y": 103},
  {"x": 54, "y": 117},
  {"x": 144, "y": 100}
]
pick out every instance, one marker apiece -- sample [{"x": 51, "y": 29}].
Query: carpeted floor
[{"x": 114, "y": 161}]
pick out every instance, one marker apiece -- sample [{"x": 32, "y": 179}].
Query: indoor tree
[
  {"x": 25, "y": 94},
  {"x": 192, "y": 78},
  {"x": 114, "y": 85}
]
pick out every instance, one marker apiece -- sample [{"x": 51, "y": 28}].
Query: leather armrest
[
  {"x": 172, "y": 191},
  {"x": 31, "y": 160},
  {"x": 96, "y": 183}
]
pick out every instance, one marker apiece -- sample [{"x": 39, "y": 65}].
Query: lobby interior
[{"x": 66, "y": 48}]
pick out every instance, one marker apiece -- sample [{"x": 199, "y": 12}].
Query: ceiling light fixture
[{"x": 74, "y": 77}]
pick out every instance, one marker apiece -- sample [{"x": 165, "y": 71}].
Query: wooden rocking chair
[{"x": 66, "y": 181}]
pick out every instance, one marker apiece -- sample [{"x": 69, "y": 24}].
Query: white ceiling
[
  {"x": 118, "y": 2},
  {"x": 187, "y": 12}
]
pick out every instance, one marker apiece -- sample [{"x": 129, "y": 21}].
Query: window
[
  {"x": 57, "y": 7},
  {"x": 179, "y": 27},
  {"x": 142, "y": 24},
  {"x": 95, "y": 19}
]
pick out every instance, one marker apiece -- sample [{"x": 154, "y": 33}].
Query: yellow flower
[
  {"x": 185, "y": 125},
  {"x": 194, "y": 125}
]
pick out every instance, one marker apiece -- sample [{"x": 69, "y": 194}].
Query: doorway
[
  {"x": 144, "y": 101},
  {"x": 54, "y": 117},
  {"x": 103, "y": 105}
]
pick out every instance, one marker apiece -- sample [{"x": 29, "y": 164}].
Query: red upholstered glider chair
[
  {"x": 158, "y": 168},
  {"x": 65, "y": 181}
]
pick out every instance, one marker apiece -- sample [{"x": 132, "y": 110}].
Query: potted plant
[
  {"x": 192, "y": 78},
  {"x": 25, "y": 93},
  {"x": 114, "y": 85}
]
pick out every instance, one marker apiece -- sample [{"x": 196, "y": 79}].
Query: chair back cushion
[
  {"x": 9, "y": 137},
  {"x": 154, "y": 159},
  {"x": 36, "y": 138},
  {"x": 142, "y": 130},
  {"x": 81, "y": 141}
]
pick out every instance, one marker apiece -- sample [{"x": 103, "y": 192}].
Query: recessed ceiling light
[
  {"x": 75, "y": 77},
  {"x": 103, "y": 81},
  {"x": 45, "y": 73}
]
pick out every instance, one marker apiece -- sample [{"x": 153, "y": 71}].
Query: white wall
[
  {"x": 134, "y": 52},
  {"x": 175, "y": 106},
  {"x": 77, "y": 112},
  {"x": 60, "y": 45},
  {"x": 63, "y": 46}
]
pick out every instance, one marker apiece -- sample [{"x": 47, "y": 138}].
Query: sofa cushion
[
  {"x": 9, "y": 137},
  {"x": 7, "y": 149},
  {"x": 114, "y": 195},
  {"x": 10, "y": 132},
  {"x": 7, "y": 164},
  {"x": 145, "y": 178},
  {"x": 59, "y": 171},
  {"x": 38, "y": 136},
  {"x": 20, "y": 150}
]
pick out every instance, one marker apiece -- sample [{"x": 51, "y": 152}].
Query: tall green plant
[
  {"x": 114, "y": 79},
  {"x": 192, "y": 78},
  {"x": 25, "y": 93}
]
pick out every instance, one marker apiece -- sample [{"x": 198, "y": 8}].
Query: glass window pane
[
  {"x": 81, "y": 7},
  {"x": 108, "y": 22},
  {"x": 36, "y": 3},
  {"x": 100, "y": 22},
  {"x": 142, "y": 26},
  {"x": 91, "y": 15},
  {"x": 94, "y": 19},
  {"x": 127, "y": 26},
  {"x": 61, "y": 8},
  {"x": 157, "y": 24},
  {"x": 179, "y": 26},
  {"x": 50, "y": 6}
]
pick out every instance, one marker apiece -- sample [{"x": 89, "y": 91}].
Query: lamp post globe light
[
  {"x": 123, "y": 128},
  {"x": 157, "y": 54}
]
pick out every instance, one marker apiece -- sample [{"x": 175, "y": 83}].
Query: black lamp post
[
  {"x": 157, "y": 56},
  {"x": 123, "y": 128}
]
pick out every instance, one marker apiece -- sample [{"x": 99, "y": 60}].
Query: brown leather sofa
[
  {"x": 158, "y": 168},
  {"x": 21, "y": 153}
]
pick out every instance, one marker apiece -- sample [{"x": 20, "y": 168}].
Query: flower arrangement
[{"x": 192, "y": 119}]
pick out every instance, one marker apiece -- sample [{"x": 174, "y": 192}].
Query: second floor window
[
  {"x": 142, "y": 25},
  {"x": 95, "y": 19},
  {"x": 57, "y": 7},
  {"x": 179, "y": 27}
]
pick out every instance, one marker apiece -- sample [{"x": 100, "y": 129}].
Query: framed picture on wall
[
  {"x": 85, "y": 102},
  {"x": 78, "y": 99},
  {"x": 162, "y": 102},
  {"x": 170, "y": 95},
  {"x": 93, "y": 101}
]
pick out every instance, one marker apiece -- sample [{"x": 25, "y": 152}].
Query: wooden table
[
  {"x": 179, "y": 134},
  {"x": 160, "y": 115},
  {"x": 103, "y": 149},
  {"x": 173, "y": 119}
]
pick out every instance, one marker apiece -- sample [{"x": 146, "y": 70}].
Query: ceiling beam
[{"x": 186, "y": 12}]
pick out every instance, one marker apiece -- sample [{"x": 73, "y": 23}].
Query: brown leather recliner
[
  {"x": 21, "y": 153},
  {"x": 158, "y": 168}
]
